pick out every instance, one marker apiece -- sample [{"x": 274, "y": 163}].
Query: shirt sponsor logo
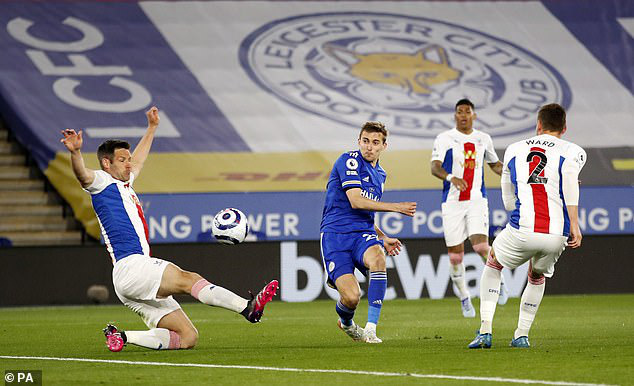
[
  {"x": 352, "y": 67},
  {"x": 469, "y": 158},
  {"x": 370, "y": 196}
]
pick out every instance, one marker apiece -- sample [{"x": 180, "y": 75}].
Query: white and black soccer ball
[{"x": 230, "y": 226}]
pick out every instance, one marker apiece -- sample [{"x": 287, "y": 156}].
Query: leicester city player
[{"x": 349, "y": 238}]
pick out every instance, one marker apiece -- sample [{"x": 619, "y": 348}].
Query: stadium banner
[
  {"x": 297, "y": 215},
  {"x": 420, "y": 271},
  {"x": 262, "y": 96},
  {"x": 289, "y": 72}
]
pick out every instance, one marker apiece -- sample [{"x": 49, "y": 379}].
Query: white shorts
[
  {"x": 136, "y": 280},
  {"x": 461, "y": 219},
  {"x": 514, "y": 247}
]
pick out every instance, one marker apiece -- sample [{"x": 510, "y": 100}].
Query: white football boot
[
  {"x": 370, "y": 334},
  {"x": 354, "y": 331}
]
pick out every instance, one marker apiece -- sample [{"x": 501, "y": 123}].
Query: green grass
[{"x": 586, "y": 339}]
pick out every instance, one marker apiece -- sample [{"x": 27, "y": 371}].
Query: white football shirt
[
  {"x": 464, "y": 156},
  {"x": 535, "y": 167},
  {"x": 123, "y": 225}
]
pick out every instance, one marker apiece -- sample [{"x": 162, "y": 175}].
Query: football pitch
[{"x": 575, "y": 340}]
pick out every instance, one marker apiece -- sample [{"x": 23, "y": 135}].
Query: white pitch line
[{"x": 297, "y": 370}]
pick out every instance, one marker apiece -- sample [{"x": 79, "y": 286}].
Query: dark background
[{"x": 61, "y": 275}]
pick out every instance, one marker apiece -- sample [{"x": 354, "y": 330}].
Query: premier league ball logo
[{"x": 405, "y": 71}]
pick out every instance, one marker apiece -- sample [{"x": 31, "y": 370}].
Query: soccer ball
[{"x": 230, "y": 226}]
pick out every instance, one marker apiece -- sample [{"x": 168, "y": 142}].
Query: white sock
[
  {"x": 457, "y": 277},
  {"x": 531, "y": 298},
  {"x": 489, "y": 293},
  {"x": 156, "y": 339},
  {"x": 370, "y": 326},
  {"x": 484, "y": 259},
  {"x": 222, "y": 297}
]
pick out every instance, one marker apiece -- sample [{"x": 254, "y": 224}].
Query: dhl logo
[
  {"x": 418, "y": 72},
  {"x": 254, "y": 176}
]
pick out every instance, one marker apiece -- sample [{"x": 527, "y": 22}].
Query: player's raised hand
[
  {"x": 407, "y": 208},
  {"x": 72, "y": 140},
  {"x": 460, "y": 183},
  {"x": 152, "y": 117},
  {"x": 392, "y": 246},
  {"x": 575, "y": 237}
]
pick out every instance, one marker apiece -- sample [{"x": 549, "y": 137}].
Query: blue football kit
[{"x": 346, "y": 233}]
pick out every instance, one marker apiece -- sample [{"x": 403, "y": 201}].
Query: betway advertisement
[{"x": 421, "y": 270}]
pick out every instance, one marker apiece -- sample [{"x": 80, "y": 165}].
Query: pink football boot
[
  {"x": 255, "y": 309},
  {"x": 114, "y": 339}
]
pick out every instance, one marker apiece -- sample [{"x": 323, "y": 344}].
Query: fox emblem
[{"x": 418, "y": 72}]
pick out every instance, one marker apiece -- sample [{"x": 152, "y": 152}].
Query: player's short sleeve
[
  {"x": 575, "y": 159},
  {"x": 577, "y": 155},
  {"x": 347, "y": 167},
  {"x": 490, "y": 156},
  {"x": 441, "y": 145},
  {"x": 101, "y": 181}
]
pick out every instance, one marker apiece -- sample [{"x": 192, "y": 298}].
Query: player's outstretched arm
[
  {"x": 142, "y": 149},
  {"x": 440, "y": 172},
  {"x": 73, "y": 142},
  {"x": 357, "y": 201}
]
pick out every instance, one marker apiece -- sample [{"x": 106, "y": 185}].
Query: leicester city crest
[{"x": 353, "y": 67}]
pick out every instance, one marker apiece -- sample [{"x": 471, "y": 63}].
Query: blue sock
[
  {"x": 345, "y": 314},
  {"x": 376, "y": 293}
]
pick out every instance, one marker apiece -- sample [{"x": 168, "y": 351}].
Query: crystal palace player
[
  {"x": 458, "y": 159},
  {"x": 349, "y": 237},
  {"x": 144, "y": 283},
  {"x": 540, "y": 185}
]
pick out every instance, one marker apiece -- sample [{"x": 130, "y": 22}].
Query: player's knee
[
  {"x": 455, "y": 258},
  {"x": 482, "y": 249},
  {"x": 492, "y": 261},
  {"x": 351, "y": 298},
  {"x": 188, "y": 279},
  {"x": 535, "y": 277},
  {"x": 189, "y": 338}
]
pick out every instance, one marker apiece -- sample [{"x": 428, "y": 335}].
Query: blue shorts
[{"x": 343, "y": 252}]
